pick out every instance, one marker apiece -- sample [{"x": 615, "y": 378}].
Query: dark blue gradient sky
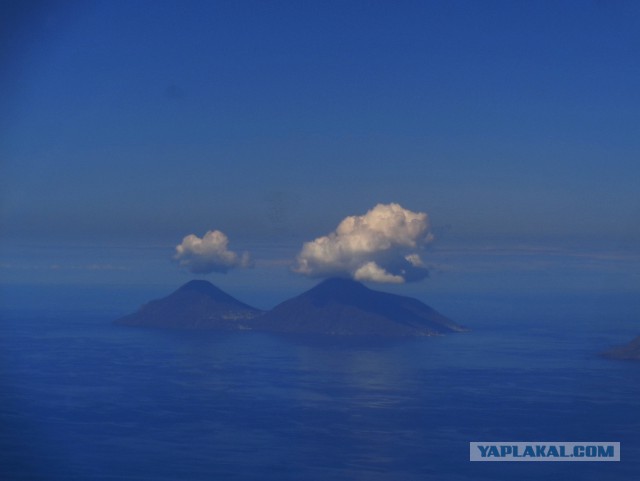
[{"x": 136, "y": 123}]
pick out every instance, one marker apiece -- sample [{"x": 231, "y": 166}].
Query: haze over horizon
[{"x": 127, "y": 126}]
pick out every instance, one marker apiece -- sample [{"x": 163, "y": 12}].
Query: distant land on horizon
[
  {"x": 335, "y": 307},
  {"x": 344, "y": 307},
  {"x": 197, "y": 304},
  {"x": 628, "y": 352}
]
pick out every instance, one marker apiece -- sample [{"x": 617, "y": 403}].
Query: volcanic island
[{"x": 334, "y": 307}]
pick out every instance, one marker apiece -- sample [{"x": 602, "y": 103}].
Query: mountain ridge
[
  {"x": 345, "y": 307},
  {"x": 198, "y": 304},
  {"x": 335, "y": 307}
]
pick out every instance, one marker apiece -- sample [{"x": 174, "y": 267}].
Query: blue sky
[{"x": 128, "y": 125}]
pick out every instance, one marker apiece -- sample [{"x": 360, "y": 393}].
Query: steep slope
[
  {"x": 196, "y": 305},
  {"x": 343, "y": 307}
]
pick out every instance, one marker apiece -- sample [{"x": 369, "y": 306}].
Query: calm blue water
[{"x": 82, "y": 399}]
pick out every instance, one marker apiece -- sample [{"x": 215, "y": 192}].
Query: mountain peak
[
  {"x": 339, "y": 306},
  {"x": 339, "y": 284},
  {"x": 201, "y": 286},
  {"x": 197, "y": 284},
  {"x": 198, "y": 304}
]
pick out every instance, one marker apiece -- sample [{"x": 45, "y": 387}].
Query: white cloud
[
  {"x": 415, "y": 260},
  {"x": 209, "y": 254},
  {"x": 373, "y": 272},
  {"x": 378, "y": 246}
]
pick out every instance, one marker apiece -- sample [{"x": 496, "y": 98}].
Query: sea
[{"x": 83, "y": 399}]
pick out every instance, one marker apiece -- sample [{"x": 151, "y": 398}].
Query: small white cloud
[
  {"x": 415, "y": 260},
  {"x": 373, "y": 272},
  {"x": 378, "y": 246},
  {"x": 209, "y": 254}
]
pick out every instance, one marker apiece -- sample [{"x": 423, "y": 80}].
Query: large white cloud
[
  {"x": 380, "y": 246},
  {"x": 209, "y": 254}
]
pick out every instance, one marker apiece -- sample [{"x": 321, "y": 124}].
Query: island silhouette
[
  {"x": 335, "y": 307},
  {"x": 629, "y": 351},
  {"x": 197, "y": 304}
]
